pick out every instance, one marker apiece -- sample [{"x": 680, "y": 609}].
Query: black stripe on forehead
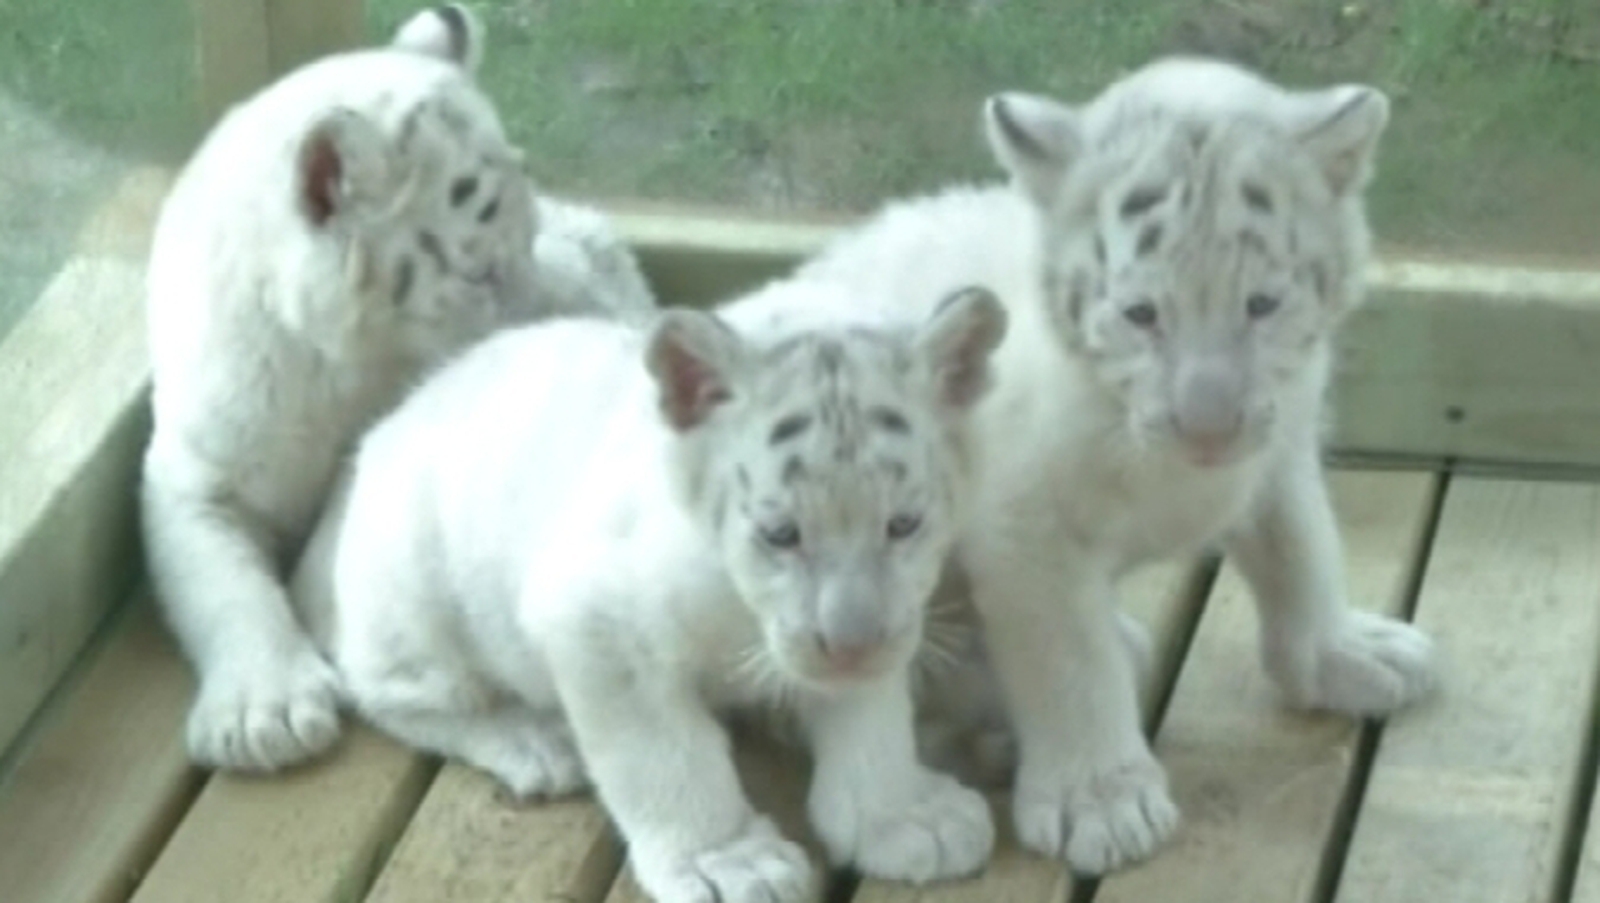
[
  {"x": 1257, "y": 197},
  {"x": 794, "y": 470},
  {"x": 405, "y": 277},
  {"x": 462, "y": 190},
  {"x": 830, "y": 357},
  {"x": 1139, "y": 200},
  {"x": 434, "y": 249},
  {"x": 1149, "y": 240},
  {"x": 408, "y": 129},
  {"x": 889, "y": 419},
  {"x": 789, "y": 427},
  {"x": 831, "y": 350},
  {"x": 719, "y": 507}
]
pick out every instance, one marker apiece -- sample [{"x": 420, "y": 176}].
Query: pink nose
[
  {"x": 1209, "y": 449},
  {"x": 1208, "y": 405},
  {"x": 1210, "y": 443},
  {"x": 847, "y": 658}
]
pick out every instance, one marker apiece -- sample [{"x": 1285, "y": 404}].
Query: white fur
[
  {"x": 582, "y": 265},
  {"x": 1108, "y": 443},
  {"x": 322, "y": 249},
  {"x": 571, "y": 547}
]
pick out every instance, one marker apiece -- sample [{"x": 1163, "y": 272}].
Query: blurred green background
[
  {"x": 796, "y": 106},
  {"x": 806, "y": 105}
]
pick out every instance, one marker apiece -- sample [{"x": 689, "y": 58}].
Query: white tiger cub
[
  {"x": 332, "y": 237},
  {"x": 573, "y": 545},
  {"x": 1175, "y": 257}
]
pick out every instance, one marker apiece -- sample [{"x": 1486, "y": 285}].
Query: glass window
[{"x": 96, "y": 97}]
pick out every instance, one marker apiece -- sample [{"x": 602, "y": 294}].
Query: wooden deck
[{"x": 1484, "y": 794}]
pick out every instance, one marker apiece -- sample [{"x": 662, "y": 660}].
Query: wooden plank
[
  {"x": 314, "y": 835},
  {"x": 1497, "y": 364},
  {"x": 468, "y": 842},
  {"x": 1260, "y": 787},
  {"x": 1469, "y": 799},
  {"x": 71, "y": 432},
  {"x": 1167, "y": 600},
  {"x": 232, "y": 53},
  {"x": 99, "y": 785},
  {"x": 703, "y": 259},
  {"x": 125, "y": 224},
  {"x": 72, "y": 428},
  {"x": 299, "y": 31}
]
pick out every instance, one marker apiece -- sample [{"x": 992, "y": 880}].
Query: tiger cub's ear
[
  {"x": 1035, "y": 139},
  {"x": 1340, "y": 127},
  {"x": 450, "y": 32},
  {"x": 696, "y": 361},
  {"x": 344, "y": 163},
  {"x": 957, "y": 343}
]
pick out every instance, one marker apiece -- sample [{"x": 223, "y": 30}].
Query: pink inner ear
[
  {"x": 320, "y": 171},
  {"x": 691, "y": 390},
  {"x": 964, "y": 382}
]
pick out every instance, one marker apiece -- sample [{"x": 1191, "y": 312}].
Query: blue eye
[
  {"x": 1259, "y": 306},
  {"x": 1142, "y": 314},
  {"x": 783, "y": 537},
  {"x": 903, "y": 526}
]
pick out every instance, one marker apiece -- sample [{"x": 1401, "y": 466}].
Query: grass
[
  {"x": 114, "y": 73},
  {"x": 791, "y": 105},
  {"x": 800, "y": 105},
  {"x": 797, "y": 105},
  {"x": 85, "y": 87}
]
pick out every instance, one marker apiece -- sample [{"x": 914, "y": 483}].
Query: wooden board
[
  {"x": 302, "y": 30},
  {"x": 1469, "y": 798},
  {"x": 1166, "y": 599},
  {"x": 99, "y": 785},
  {"x": 72, "y": 429},
  {"x": 124, "y": 225},
  {"x": 1260, "y": 787},
  {"x": 313, "y": 835},
  {"x": 467, "y": 842},
  {"x": 702, "y": 259},
  {"x": 232, "y": 53},
  {"x": 1483, "y": 363}
]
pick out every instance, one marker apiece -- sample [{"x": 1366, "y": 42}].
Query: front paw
[
  {"x": 939, "y": 830},
  {"x": 1102, "y": 819},
  {"x": 265, "y": 711},
  {"x": 1368, "y": 665},
  {"x": 539, "y": 760},
  {"x": 756, "y": 865}
]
